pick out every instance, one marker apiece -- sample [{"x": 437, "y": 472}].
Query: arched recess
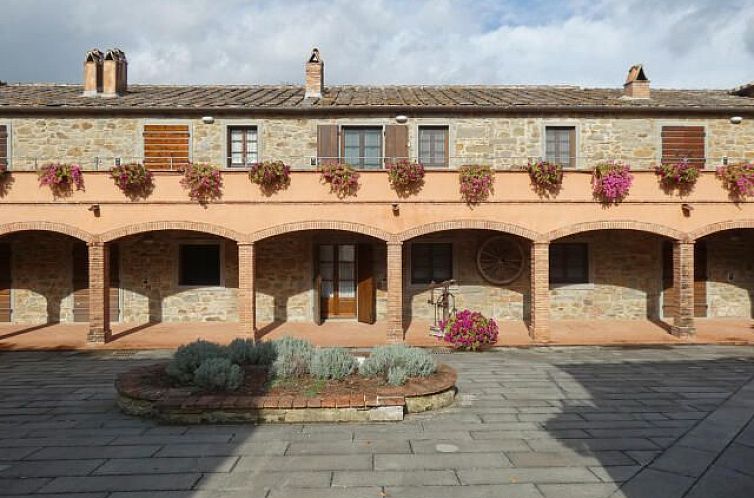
[
  {"x": 615, "y": 225},
  {"x": 171, "y": 225},
  {"x": 298, "y": 226},
  {"x": 47, "y": 227},
  {"x": 468, "y": 225},
  {"x": 720, "y": 227}
]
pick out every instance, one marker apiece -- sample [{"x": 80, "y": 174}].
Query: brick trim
[
  {"x": 638, "y": 226},
  {"x": 47, "y": 226},
  {"x": 171, "y": 225},
  {"x": 298, "y": 226},
  {"x": 719, "y": 227},
  {"x": 498, "y": 226}
]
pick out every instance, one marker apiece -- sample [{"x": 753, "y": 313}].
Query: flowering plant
[
  {"x": 738, "y": 179},
  {"x": 271, "y": 176},
  {"x": 133, "y": 179},
  {"x": 61, "y": 178},
  {"x": 343, "y": 179},
  {"x": 679, "y": 175},
  {"x": 203, "y": 182},
  {"x": 476, "y": 182},
  {"x": 546, "y": 177},
  {"x": 406, "y": 177},
  {"x": 5, "y": 178},
  {"x": 469, "y": 330},
  {"x": 611, "y": 181}
]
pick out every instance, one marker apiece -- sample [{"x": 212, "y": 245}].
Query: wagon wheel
[{"x": 500, "y": 260}]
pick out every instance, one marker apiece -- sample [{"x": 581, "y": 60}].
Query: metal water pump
[{"x": 444, "y": 303}]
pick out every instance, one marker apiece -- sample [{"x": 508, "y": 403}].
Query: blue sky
[{"x": 682, "y": 43}]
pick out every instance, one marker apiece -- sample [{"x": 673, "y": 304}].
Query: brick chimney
[
  {"x": 315, "y": 76},
  {"x": 114, "y": 73},
  {"x": 93, "y": 73},
  {"x": 637, "y": 83}
]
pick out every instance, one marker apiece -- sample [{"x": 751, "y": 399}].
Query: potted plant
[
  {"x": 738, "y": 179},
  {"x": 677, "y": 175},
  {"x": 271, "y": 176},
  {"x": 61, "y": 178},
  {"x": 203, "y": 181},
  {"x": 5, "y": 179},
  {"x": 611, "y": 181},
  {"x": 406, "y": 177},
  {"x": 469, "y": 330},
  {"x": 133, "y": 179},
  {"x": 546, "y": 177},
  {"x": 476, "y": 182},
  {"x": 342, "y": 178}
]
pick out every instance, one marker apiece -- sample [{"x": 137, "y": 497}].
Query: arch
[
  {"x": 47, "y": 226},
  {"x": 720, "y": 226},
  {"x": 638, "y": 226},
  {"x": 498, "y": 226},
  {"x": 298, "y": 226},
  {"x": 171, "y": 225}
]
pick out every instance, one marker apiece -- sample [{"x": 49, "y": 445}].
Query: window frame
[
  {"x": 586, "y": 260},
  {"x": 453, "y": 269},
  {"x": 342, "y": 145},
  {"x": 429, "y": 127},
  {"x": 9, "y": 144},
  {"x": 229, "y": 127},
  {"x": 190, "y": 242},
  {"x": 574, "y": 145}
]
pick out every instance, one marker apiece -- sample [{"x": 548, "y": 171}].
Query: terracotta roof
[{"x": 29, "y": 97}]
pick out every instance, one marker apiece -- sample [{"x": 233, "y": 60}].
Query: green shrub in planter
[
  {"x": 188, "y": 358},
  {"x": 415, "y": 362},
  {"x": 247, "y": 352},
  {"x": 218, "y": 374},
  {"x": 397, "y": 375},
  {"x": 332, "y": 363},
  {"x": 293, "y": 357}
]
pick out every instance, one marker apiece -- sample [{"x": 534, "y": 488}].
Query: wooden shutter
[
  {"x": 114, "y": 283},
  {"x": 80, "y": 282},
  {"x": 3, "y": 146},
  {"x": 327, "y": 144},
  {"x": 5, "y": 282},
  {"x": 317, "y": 288},
  {"x": 683, "y": 142},
  {"x": 166, "y": 146},
  {"x": 366, "y": 289},
  {"x": 396, "y": 143}
]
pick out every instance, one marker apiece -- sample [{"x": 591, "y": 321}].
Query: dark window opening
[
  {"x": 569, "y": 263},
  {"x": 431, "y": 263},
  {"x": 433, "y": 146},
  {"x": 199, "y": 264}
]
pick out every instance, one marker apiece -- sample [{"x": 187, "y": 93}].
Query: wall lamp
[
  {"x": 401, "y": 118},
  {"x": 95, "y": 209},
  {"x": 736, "y": 119},
  {"x": 396, "y": 208},
  {"x": 208, "y": 119},
  {"x": 687, "y": 208}
]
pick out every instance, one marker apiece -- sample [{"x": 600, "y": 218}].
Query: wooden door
[
  {"x": 5, "y": 283},
  {"x": 114, "y": 283},
  {"x": 80, "y": 282},
  {"x": 700, "y": 280},
  {"x": 337, "y": 273},
  {"x": 365, "y": 291}
]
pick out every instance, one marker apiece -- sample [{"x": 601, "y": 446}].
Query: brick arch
[
  {"x": 47, "y": 226},
  {"x": 345, "y": 226},
  {"x": 638, "y": 226},
  {"x": 720, "y": 227},
  {"x": 152, "y": 226},
  {"x": 497, "y": 226}
]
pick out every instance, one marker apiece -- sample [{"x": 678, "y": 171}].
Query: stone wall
[{"x": 730, "y": 274}]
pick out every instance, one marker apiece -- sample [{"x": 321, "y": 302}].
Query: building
[{"x": 305, "y": 255}]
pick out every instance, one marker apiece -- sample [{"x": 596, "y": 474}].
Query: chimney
[
  {"x": 315, "y": 76},
  {"x": 93, "y": 73},
  {"x": 114, "y": 73},
  {"x": 637, "y": 84}
]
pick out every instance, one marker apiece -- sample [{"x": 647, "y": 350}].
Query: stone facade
[{"x": 730, "y": 274}]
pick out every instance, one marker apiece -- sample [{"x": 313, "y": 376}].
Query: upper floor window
[
  {"x": 243, "y": 146},
  {"x": 569, "y": 263},
  {"x": 683, "y": 142},
  {"x": 433, "y": 146},
  {"x": 4, "y": 146},
  {"x": 199, "y": 264},
  {"x": 560, "y": 145},
  {"x": 362, "y": 147},
  {"x": 166, "y": 146},
  {"x": 431, "y": 262}
]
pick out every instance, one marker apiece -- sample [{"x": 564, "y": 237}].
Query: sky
[{"x": 591, "y": 43}]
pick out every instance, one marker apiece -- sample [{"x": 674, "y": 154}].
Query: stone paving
[{"x": 550, "y": 422}]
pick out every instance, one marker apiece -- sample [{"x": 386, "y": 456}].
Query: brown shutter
[
  {"x": 327, "y": 144},
  {"x": 3, "y": 146},
  {"x": 396, "y": 143},
  {"x": 700, "y": 279},
  {"x": 80, "y": 282},
  {"x": 114, "y": 282},
  {"x": 365, "y": 290},
  {"x": 166, "y": 146},
  {"x": 5, "y": 282},
  {"x": 669, "y": 294},
  {"x": 683, "y": 142},
  {"x": 572, "y": 148}
]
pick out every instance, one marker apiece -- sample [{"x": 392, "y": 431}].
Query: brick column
[
  {"x": 539, "y": 327},
  {"x": 247, "y": 298},
  {"x": 683, "y": 282},
  {"x": 395, "y": 291},
  {"x": 99, "y": 293}
]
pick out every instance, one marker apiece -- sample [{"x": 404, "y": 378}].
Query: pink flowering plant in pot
[
  {"x": 406, "y": 177},
  {"x": 738, "y": 179},
  {"x": 133, "y": 179},
  {"x": 271, "y": 176},
  {"x": 677, "y": 175},
  {"x": 62, "y": 178},
  {"x": 476, "y": 182},
  {"x": 611, "y": 181},
  {"x": 342, "y": 178},
  {"x": 5, "y": 178},
  {"x": 469, "y": 330},
  {"x": 546, "y": 177},
  {"x": 203, "y": 181}
]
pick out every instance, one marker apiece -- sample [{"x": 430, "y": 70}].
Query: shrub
[
  {"x": 397, "y": 375},
  {"x": 293, "y": 357},
  {"x": 61, "y": 178},
  {"x": 247, "y": 352},
  {"x": 476, "y": 182},
  {"x": 738, "y": 179},
  {"x": 203, "y": 181},
  {"x": 271, "y": 176},
  {"x": 406, "y": 177},
  {"x": 188, "y": 358},
  {"x": 218, "y": 374},
  {"x": 611, "y": 181},
  {"x": 342, "y": 178},
  {"x": 133, "y": 179},
  {"x": 678, "y": 175},
  {"x": 414, "y": 361},
  {"x": 332, "y": 363},
  {"x": 546, "y": 177},
  {"x": 469, "y": 330}
]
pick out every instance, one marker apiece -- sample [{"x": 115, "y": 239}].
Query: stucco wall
[{"x": 730, "y": 270}]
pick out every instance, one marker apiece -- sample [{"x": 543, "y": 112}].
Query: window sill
[{"x": 582, "y": 286}]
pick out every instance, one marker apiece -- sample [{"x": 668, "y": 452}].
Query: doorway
[{"x": 345, "y": 282}]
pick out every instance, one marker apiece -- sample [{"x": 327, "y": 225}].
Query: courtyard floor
[{"x": 583, "y": 422}]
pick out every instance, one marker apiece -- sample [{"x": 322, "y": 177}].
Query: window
[
  {"x": 431, "y": 263},
  {"x": 4, "y": 146},
  {"x": 362, "y": 147},
  {"x": 166, "y": 146},
  {"x": 569, "y": 263},
  {"x": 683, "y": 142},
  {"x": 199, "y": 264},
  {"x": 433, "y": 146},
  {"x": 243, "y": 146},
  {"x": 560, "y": 145}
]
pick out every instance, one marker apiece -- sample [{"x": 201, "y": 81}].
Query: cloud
[{"x": 683, "y": 43}]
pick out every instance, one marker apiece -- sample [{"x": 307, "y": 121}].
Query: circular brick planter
[{"x": 138, "y": 395}]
